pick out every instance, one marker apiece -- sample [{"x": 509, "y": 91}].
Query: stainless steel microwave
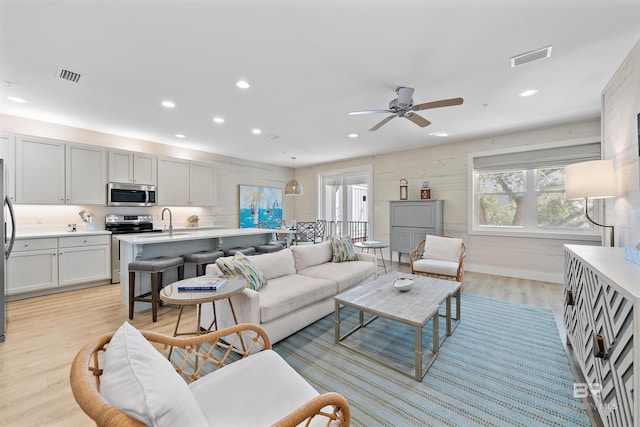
[{"x": 130, "y": 194}]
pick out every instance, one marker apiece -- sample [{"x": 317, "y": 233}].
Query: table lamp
[{"x": 591, "y": 180}]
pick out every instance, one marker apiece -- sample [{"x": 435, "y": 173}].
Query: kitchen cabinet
[
  {"x": 54, "y": 172},
  {"x": 8, "y": 153},
  {"x": 602, "y": 321},
  {"x": 84, "y": 259},
  {"x": 32, "y": 266},
  {"x": 411, "y": 221},
  {"x": 185, "y": 183},
  {"x": 41, "y": 264},
  {"x": 130, "y": 167}
]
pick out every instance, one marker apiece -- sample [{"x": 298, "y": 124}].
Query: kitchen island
[{"x": 150, "y": 245}]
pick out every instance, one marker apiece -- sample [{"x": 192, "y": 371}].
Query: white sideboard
[{"x": 602, "y": 320}]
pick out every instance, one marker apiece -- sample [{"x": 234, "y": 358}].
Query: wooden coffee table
[{"x": 414, "y": 308}]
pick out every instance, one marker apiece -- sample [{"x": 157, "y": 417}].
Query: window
[{"x": 522, "y": 193}]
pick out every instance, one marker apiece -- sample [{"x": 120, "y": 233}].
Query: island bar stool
[
  {"x": 202, "y": 259},
  {"x": 155, "y": 267},
  {"x": 247, "y": 251},
  {"x": 268, "y": 248}
]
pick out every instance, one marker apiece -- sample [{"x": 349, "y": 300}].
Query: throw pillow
[
  {"x": 442, "y": 248},
  {"x": 139, "y": 381},
  {"x": 343, "y": 249},
  {"x": 241, "y": 266}
]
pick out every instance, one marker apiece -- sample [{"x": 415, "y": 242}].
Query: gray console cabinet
[{"x": 411, "y": 221}]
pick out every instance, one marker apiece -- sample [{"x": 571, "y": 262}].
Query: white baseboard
[{"x": 520, "y": 274}]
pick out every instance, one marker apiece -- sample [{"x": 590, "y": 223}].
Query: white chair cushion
[
  {"x": 443, "y": 248},
  {"x": 436, "y": 266},
  {"x": 139, "y": 381},
  {"x": 309, "y": 255},
  {"x": 275, "y": 264},
  {"x": 256, "y": 391}
]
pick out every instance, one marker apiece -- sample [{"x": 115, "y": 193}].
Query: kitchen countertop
[
  {"x": 181, "y": 235},
  {"x": 43, "y": 232}
]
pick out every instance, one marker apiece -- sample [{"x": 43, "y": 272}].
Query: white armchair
[{"x": 441, "y": 257}]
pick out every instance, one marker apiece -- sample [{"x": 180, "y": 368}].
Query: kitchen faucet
[{"x": 170, "y": 221}]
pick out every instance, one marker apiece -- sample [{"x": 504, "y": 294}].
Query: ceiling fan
[{"x": 403, "y": 106}]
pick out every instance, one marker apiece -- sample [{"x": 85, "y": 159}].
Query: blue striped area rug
[{"x": 503, "y": 366}]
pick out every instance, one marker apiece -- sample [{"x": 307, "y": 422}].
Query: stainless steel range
[{"x": 125, "y": 224}]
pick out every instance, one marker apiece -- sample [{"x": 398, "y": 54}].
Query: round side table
[
  {"x": 171, "y": 295},
  {"x": 372, "y": 244}
]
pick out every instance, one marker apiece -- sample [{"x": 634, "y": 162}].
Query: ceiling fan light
[
  {"x": 404, "y": 95},
  {"x": 293, "y": 188}
]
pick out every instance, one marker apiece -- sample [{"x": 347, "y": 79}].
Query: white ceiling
[{"x": 309, "y": 63}]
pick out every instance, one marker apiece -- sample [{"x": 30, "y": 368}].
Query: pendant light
[{"x": 293, "y": 187}]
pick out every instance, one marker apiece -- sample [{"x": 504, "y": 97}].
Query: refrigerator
[{"x": 8, "y": 235}]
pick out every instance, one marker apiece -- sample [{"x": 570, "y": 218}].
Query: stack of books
[{"x": 204, "y": 284}]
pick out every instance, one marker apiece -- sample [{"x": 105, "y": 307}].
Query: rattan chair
[
  {"x": 436, "y": 269},
  {"x": 86, "y": 370},
  {"x": 305, "y": 232}
]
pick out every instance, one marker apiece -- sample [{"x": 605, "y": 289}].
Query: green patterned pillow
[
  {"x": 343, "y": 249},
  {"x": 241, "y": 266}
]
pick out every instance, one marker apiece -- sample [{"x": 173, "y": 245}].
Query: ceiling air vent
[
  {"x": 534, "y": 55},
  {"x": 67, "y": 75}
]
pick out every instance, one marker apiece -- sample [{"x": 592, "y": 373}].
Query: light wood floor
[{"x": 44, "y": 334}]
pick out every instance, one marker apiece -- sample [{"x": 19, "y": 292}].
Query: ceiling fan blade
[
  {"x": 438, "y": 104},
  {"x": 380, "y": 124},
  {"x": 357, "y": 113},
  {"x": 419, "y": 120}
]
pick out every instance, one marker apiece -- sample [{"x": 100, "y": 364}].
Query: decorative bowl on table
[{"x": 403, "y": 284}]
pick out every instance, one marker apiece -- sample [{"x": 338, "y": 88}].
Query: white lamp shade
[{"x": 593, "y": 180}]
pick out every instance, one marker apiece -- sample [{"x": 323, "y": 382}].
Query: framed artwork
[{"x": 260, "y": 206}]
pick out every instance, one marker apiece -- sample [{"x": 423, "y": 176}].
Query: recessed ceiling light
[
  {"x": 218, "y": 120},
  {"x": 242, "y": 84},
  {"x": 16, "y": 99},
  {"x": 168, "y": 104},
  {"x": 353, "y": 135},
  {"x": 179, "y": 135},
  {"x": 439, "y": 134},
  {"x": 256, "y": 131},
  {"x": 529, "y": 92}
]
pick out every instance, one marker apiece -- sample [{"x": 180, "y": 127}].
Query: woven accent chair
[
  {"x": 205, "y": 355},
  {"x": 321, "y": 231},
  {"x": 305, "y": 232},
  {"x": 437, "y": 267}
]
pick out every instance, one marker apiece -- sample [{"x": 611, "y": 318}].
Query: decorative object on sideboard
[
  {"x": 591, "y": 180},
  {"x": 404, "y": 189},
  {"x": 293, "y": 187},
  {"x": 425, "y": 191},
  {"x": 632, "y": 255}
]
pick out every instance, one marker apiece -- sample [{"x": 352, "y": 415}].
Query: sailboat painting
[{"x": 260, "y": 206}]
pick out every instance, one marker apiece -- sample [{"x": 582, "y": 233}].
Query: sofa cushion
[
  {"x": 256, "y": 391},
  {"x": 442, "y": 248},
  {"x": 306, "y": 256},
  {"x": 289, "y": 293},
  {"x": 275, "y": 264},
  {"x": 342, "y": 248},
  {"x": 138, "y": 380},
  {"x": 345, "y": 274},
  {"x": 242, "y": 266}
]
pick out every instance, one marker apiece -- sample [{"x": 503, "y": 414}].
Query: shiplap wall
[
  {"x": 620, "y": 109},
  {"x": 445, "y": 167}
]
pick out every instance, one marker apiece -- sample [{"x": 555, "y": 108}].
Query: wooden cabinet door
[
  {"x": 145, "y": 168},
  {"x": 86, "y": 175},
  {"x": 173, "y": 182},
  {"x": 40, "y": 171},
  {"x": 202, "y": 185},
  {"x": 81, "y": 264},
  {"x": 8, "y": 153},
  {"x": 29, "y": 271},
  {"x": 121, "y": 166}
]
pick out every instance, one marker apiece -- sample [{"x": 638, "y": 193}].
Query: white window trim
[{"x": 595, "y": 235}]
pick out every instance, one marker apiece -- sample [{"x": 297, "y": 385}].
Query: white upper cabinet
[
  {"x": 40, "y": 172},
  {"x": 52, "y": 172},
  {"x": 203, "y": 184},
  {"x": 8, "y": 153},
  {"x": 86, "y": 175},
  {"x": 185, "y": 183},
  {"x": 173, "y": 182},
  {"x": 130, "y": 167}
]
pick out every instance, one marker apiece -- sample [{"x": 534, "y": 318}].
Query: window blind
[{"x": 537, "y": 159}]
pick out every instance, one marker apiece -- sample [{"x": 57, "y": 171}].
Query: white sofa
[{"x": 302, "y": 281}]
